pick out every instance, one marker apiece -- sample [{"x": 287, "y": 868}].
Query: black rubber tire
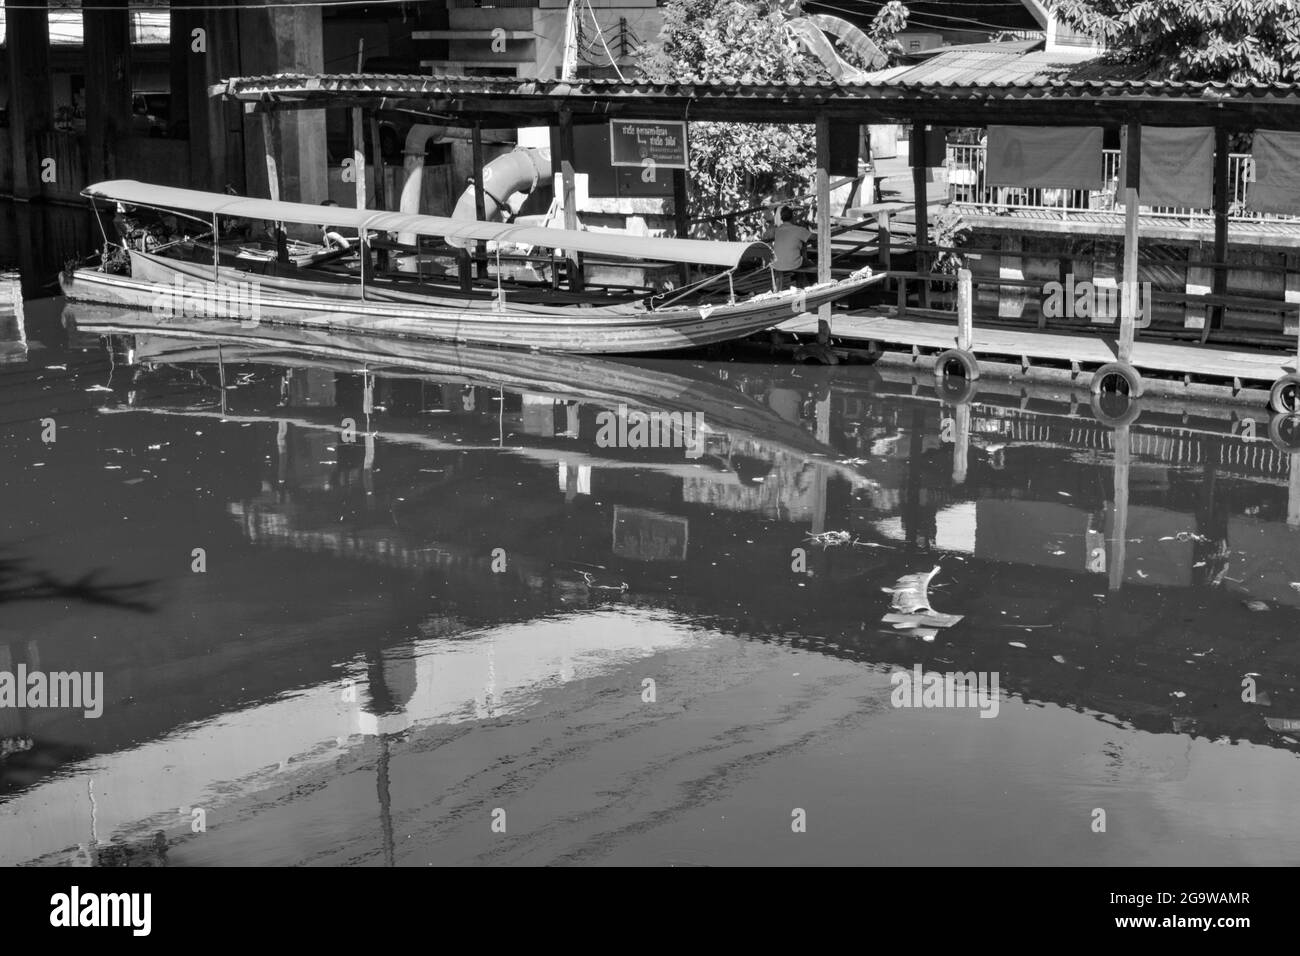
[
  {"x": 1284, "y": 396},
  {"x": 1117, "y": 372},
  {"x": 1284, "y": 433},
  {"x": 1104, "y": 410},
  {"x": 956, "y": 363},
  {"x": 955, "y": 391}
]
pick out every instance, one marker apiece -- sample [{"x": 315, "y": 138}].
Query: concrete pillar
[
  {"x": 285, "y": 40},
  {"x": 107, "y": 31},
  {"x": 1011, "y": 300},
  {"x": 1200, "y": 281},
  {"x": 31, "y": 106},
  {"x": 1291, "y": 320}
]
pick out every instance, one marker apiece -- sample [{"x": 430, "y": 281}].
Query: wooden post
[
  {"x": 1222, "y": 193},
  {"x": 960, "y": 442},
  {"x": 1293, "y": 492},
  {"x": 359, "y": 156},
  {"x": 883, "y": 239},
  {"x": 573, "y": 258},
  {"x": 363, "y": 246},
  {"x": 1119, "y": 522},
  {"x": 381, "y": 175},
  {"x": 965, "y": 311},
  {"x": 480, "y": 199},
  {"x": 681, "y": 214},
  {"x": 270, "y": 144},
  {"x": 916, "y": 157},
  {"x": 823, "y": 222},
  {"x": 1129, "y": 280},
  {"x": 216, "y": 248}
]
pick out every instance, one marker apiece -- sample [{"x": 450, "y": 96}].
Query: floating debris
[
  {"x": 1177, "y": 693},
  {"x": 1058, "y": 658},
  {"x": 1185, "y": 536},
  {"x": 910, "y": 607},
  {"x": 1283, "y": 725},
  {"x": 1256, "y": 605},
  {"x": 1018, "y": 644}
]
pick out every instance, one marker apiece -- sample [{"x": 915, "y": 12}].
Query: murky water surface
[{"x": 372, "y": 603}]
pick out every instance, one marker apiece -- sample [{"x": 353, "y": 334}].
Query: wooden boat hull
[{"x": 176, "y": 287}]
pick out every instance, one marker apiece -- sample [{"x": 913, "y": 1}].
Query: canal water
[{"x": 365, "y": 602}]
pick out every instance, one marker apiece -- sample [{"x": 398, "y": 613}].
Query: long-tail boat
[{"x": 213, "y": 272}]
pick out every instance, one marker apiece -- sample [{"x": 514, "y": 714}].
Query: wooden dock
[{"x": 1082, "y": 350}]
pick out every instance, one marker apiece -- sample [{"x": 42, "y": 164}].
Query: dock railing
[{"x": 967, "y": 189}]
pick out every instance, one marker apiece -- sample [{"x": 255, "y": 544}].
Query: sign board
[{"x": 661, "y": 143}]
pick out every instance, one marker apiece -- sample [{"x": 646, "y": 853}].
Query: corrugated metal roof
[{"x": 1081, "y": 80}]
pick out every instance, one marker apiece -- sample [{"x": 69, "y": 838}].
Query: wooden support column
[
  {"x": 269, "y": 149},
  {"x": 106, "y": 26},
  {"x": 916, "y": 156},
  {"x": 570, "y": 198},
  {"x": 480, "y": 198},
  {"x": 1129, "y": 279},
  {"x": 381, "y": 174},
  {"x": 1222, "y": 195},
  {"x": 359, "y": 156},
  {"x": 270, "y": 145},
  {"x": 31, "y": 110},
  {"x": 1293, "y": 492},
  {"x": 1119, "y": 520},
  {"x": 965, "y": 311},
  {"x": 681, "y": 214},
  {"x": 823, "y": 222},
  {"x": 960, "y": 442}
]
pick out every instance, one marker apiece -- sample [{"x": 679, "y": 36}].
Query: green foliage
[
  {"x": 1234, "y": 41},
  {"x": 948, "y": 228},
  {"x": 734, "y": 165}
]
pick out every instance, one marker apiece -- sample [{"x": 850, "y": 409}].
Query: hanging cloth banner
[
  {"x": 1177, "y": 166},
  {"x": 1044, "y": 156},
  {"x": 1277, "y": 172}
]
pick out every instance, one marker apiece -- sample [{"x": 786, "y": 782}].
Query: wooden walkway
[{"x": 1202, "y": 361}]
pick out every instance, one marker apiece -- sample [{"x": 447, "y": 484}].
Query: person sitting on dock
[{"x": 788, "y": 244}]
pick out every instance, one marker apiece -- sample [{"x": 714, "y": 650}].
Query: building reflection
[{"x": 1133, "y": 548}]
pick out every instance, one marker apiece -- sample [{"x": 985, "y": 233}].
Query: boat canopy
[{"x": 460, "y": 231}]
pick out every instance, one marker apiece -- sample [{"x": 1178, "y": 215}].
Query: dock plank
[{"x": 1059, "y": 346}]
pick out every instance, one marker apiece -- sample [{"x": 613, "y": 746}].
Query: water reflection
[{"x": 401, "y": 537}]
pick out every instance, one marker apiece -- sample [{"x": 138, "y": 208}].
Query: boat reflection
[{"x": 513, "y": 550}]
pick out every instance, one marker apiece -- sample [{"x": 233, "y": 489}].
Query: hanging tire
[
  {"x": 956, "y": 363},
  {"x": 1284, "y": 396},
  {"x": 1117, "y": 378},
  {"x": 1284, "y": 433},
  {"x": 1115, "y": 410}
]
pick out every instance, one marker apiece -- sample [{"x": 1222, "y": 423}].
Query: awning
[{"x": 459, "y": 231}]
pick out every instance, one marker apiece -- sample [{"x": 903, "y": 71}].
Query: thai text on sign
[{"x": 642, "y": 142}]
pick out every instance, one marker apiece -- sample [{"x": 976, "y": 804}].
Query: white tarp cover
[
  {"x": 1044, "y": 156},
  {"x": 1277, "y": 172},
  {"x": 1177, "y": 166},
  {"x": 697, "y": 251}
]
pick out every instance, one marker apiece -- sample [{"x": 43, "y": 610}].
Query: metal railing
[{"x": 967, "y": 188}]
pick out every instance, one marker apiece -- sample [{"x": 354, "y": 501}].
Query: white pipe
[{"x": 417, "y": 139}]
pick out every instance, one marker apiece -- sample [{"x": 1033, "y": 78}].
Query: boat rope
[{"x": 689, "y": 288}]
